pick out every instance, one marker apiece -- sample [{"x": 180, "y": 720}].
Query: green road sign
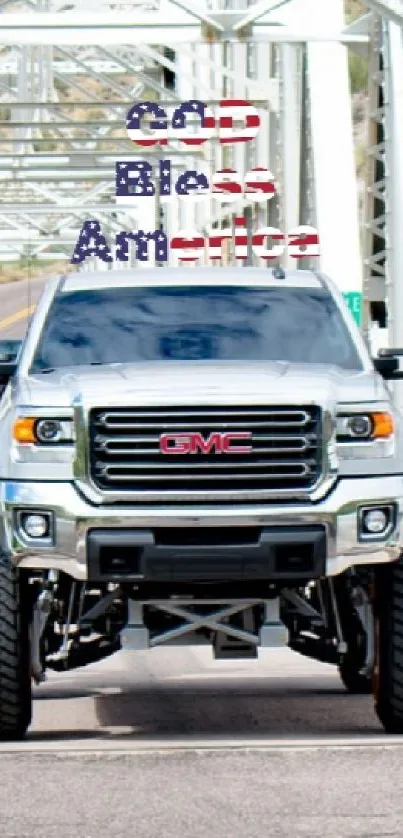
[{"x": 354, "y": 302}]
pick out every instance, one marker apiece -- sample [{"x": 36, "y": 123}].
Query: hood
[{"x": 194, "y": 382}]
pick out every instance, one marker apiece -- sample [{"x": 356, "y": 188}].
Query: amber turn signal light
[
  {"x": 24, "y": 430},
  {"x": 382, "y": 425}
]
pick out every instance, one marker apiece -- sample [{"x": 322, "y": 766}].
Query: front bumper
[{"x": 74, "y": 518}]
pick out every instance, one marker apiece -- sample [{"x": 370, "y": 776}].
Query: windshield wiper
[{"x": 46, "y": 370}]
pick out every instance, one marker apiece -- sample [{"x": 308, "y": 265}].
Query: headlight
[
  {"x": 364, "y": 426},
  {"x": 44, "y": 431}
]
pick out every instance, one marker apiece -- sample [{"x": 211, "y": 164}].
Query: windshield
[{"x": 222, "y": 323}]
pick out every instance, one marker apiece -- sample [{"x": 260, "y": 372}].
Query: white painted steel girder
[
  {"x": 391, "y": 10},
  {"x": 214, "y": 51},
  {"x": 394, "y": 162},
  {"x": 336, "y": 197},
  {"x": 110, "y": 29}
]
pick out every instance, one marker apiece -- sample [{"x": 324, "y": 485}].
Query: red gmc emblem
[{"x": 216, "y": 443}]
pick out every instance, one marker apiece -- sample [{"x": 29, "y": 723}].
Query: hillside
[{"x": 354, "y": 8}]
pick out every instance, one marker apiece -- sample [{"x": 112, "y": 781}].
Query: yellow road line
[{"x": 14, "y": 318}]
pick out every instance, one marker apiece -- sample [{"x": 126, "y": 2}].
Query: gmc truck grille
[{"x": 126, "y": 456}]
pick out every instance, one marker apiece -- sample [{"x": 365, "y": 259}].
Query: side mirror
[
  {"x": 9, "y": 349},
  {"x": 7, "y": 369},
  {"x": 387, "y": 364}
]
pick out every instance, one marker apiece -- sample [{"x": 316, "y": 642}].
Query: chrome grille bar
[
  {"x": 125, "y": 420},
  {"x": 285, "y": 453}
]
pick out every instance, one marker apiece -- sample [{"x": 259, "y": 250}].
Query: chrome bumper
[{"x": 73, "y": 517}]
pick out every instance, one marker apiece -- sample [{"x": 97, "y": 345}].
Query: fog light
[
  {"x": 36, "y": 526},
  {"x": 375, "y": 521}
]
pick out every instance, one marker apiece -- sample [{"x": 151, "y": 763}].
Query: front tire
[
  {"x": 15, "y": 678},
  {"x": 388, "y": 676}
]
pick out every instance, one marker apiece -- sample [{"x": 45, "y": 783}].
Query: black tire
[
  {"x": 388, "y": 677},
  {"x": 15, "y": 677}
]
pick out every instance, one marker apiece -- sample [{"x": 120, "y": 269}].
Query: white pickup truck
[{"x": 198, "y": 456}]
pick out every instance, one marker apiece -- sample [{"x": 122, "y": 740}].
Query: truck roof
[{"x": 82, "y": 281}]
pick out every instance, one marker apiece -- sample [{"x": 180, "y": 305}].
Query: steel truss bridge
[{"x": 70, "y": 71}]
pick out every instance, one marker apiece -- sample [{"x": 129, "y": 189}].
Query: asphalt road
[
  {"x": 17, "y": 302},
  {"x": 171, "y": 743}
]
